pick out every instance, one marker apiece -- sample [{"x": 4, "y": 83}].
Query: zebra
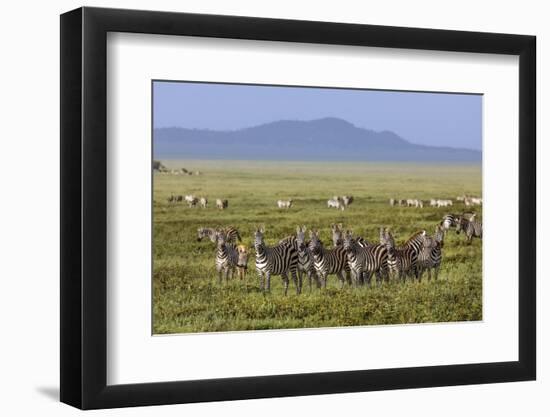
[
  {"x": 221, "y": 204},
  {"x": 179, "y": 198},
  {"x": 365, "y": 260},
  {"x": 470, "y": 226},
  {"x": 449, "y": 220},
  {"x": 430, "y": 256},
  {"x": 392, "y": 202},
  {"x": 444, "y": 203},
  {"x": 275, "y": 260},
  {"x": 403, "y": 260},
  {"x": 328, "y": 261},
  {"x": 347, "y": 200},
  {"x": 172, "y": 198},
  {"x": 193, "y": 202},
  {"x": 305, "y": 257},
  {"x": 284, "y": 204},
  {"x": 227, "y": 257},
  {"x": 335, "y": 203},
  {"x": 189, "y": 198},
  {"x": 231, "y": 234},
  {"x": 203, "y": 202}
]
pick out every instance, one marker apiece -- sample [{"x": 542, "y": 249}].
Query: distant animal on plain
[
  {"x": 221, "y": 204},
  {"x": 335, "y": 203},
  {"x": 392, "y": 202},
  {"x": 347, "y": 200},
  {"x": 193, "y": 202},
  {"x": 203, "y": 202},
  {"x": 284, "y": 204}
]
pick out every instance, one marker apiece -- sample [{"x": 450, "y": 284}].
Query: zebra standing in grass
[
  {"x": 227, "y": 257},
  {"x": 284, "y": 204},
  {"x": 470, "y": 226},
  {"x": 430, "y": 256},
  {"x": 231, "y": 234},
  {"x": 402, "y": 261},
  {"x": 305, "y": 257},
  {"x": 203, "y": 202},
  {"x": 281, "y": 259},
  {"x": 328, "y": 261},
  {"x": 221, "y": 204},
  {"x": 347, "y": 200},
  {"x": 335, "y": 203},
  {"x": 365, "y": 260}
]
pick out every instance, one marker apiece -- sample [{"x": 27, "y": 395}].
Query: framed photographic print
[{"x": 257, "y": 207}]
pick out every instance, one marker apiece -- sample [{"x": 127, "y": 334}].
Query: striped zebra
[
  {"x": 221, "y": 204},
  {"x": 231, "y": 234},
  {"x": 365, "y": 260},
  {"x": 281, "y": 259},
  {"x": 430, "y": 256},
  {"x": 470, "y": 226},
  {"x": 227, "y": 257},
  {"x": 305, "y": 257},
  {"x": 328, "y": 261},
  {"x": 402, "y": 261}
]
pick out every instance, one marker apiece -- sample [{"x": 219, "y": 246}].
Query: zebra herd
[
  {"x": 353, "y": 259},
  {"x": 340, "y": 203},
  {"x": 201, "y": 202},
  {"x": 467, "y": 200}
]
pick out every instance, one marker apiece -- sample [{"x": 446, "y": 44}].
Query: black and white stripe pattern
[
  {"x": 402, "y": 261},
  {"x": 364, "y": 260},
  {"x": 470, "y": 226},
  {"x": 305, "y": 257},
  {"x": 231, "y": 234},
  {"x": 227, "y": 257},
  {"x": 328, "y": 261},
  {"x": 430, "y": 257},
  {"x": 281, "y": 259}
]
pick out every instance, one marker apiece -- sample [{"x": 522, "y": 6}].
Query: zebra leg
[
  {"x": 341, "y": 278},
  {"x": 349, "y": 277},
  {"x": 436, "y": 272},
  {"x": 268, "y": 281},
  {"x": 367, "y": 278},
  {"x": 285, "y": 282},
  {"x": 220, "y": 276},
  {"x": 261, "y": 281},
  {"x": 297, "y": 281}
]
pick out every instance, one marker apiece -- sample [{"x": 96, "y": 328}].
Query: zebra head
[
  {"x": 315, "y": 245},
  {"x": 349, "y": 242},
  {"x": 337, "y": 234},
  {"x": 386, "y": 238},
  {"x": 461, "y": 223},
  {"x": 301, "y": 237},
  {"x": 221, "y": 239},
  {"x": 259, "y": 237},
  {"x": 201, "y": 233}
]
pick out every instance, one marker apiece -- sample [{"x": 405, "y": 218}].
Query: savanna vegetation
[{"x": 188, "y": 298}]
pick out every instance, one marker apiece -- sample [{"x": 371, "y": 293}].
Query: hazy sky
[{"x": 423, "y": 118}]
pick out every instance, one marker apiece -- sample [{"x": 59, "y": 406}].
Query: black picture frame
[{"x": 84, "y": 207}]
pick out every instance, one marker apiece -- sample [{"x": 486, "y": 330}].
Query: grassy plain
[{"x": 187, "y": 297}]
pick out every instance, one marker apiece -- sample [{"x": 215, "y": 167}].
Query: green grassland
[{"x": 186, "y": 293}]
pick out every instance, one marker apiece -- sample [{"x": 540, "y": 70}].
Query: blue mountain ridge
[{"x": 327, "y": 139}]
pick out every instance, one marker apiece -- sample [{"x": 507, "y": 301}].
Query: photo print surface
[{"x": 291, "y": 207}]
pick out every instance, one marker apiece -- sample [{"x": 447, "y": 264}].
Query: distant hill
[{"x": 328, "y": 139}]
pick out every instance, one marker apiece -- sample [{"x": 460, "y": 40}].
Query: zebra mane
[{"x": 415, "y": 236}]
